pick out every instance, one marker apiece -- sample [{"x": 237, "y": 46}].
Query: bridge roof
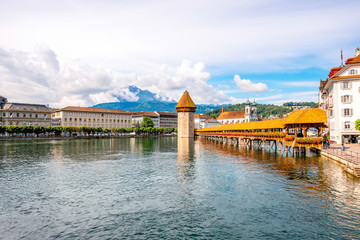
[
  {"x": 307, "y": 115},
  {"x": 302, "y": 116}
]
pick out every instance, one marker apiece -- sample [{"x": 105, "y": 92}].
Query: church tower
[
  {"x": 186, "y": 112},
  {"x": 247, "y": 111}
]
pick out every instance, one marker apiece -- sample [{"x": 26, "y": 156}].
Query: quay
[{"x": 288, "y": 135}]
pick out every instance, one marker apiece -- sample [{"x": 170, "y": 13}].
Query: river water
[{"x": 159, "y": 188}]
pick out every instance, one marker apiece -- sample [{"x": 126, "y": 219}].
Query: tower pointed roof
[{"x": 186, "y": 103}]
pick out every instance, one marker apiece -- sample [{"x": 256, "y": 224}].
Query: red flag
[{"x": 341, "y": 55}]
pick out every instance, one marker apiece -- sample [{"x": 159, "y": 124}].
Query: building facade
[
  {"x": 249, "y": 115},
  {"x": 167, "y": 119},
  {"x": 93, "y": 117},
  {"x": 339, "y": 95},
  {"x": 212, "y": 122},
  {"x": 137, "y": 118},
  {"x": 24, "y": 114}
]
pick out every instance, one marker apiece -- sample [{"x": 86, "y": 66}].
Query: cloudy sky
[{"x": 86, "y": 52}]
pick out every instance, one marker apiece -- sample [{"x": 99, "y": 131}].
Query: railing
[{"x": 351, "y": 156}]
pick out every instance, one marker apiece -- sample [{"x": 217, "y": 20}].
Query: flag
[{"x": 341, "y": 55}]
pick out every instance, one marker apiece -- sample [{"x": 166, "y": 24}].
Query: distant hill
[
  {"x": 264, "y": 110},
  {"x": 147, "y": 101}
]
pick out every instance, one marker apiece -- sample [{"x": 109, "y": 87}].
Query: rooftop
[
  {"x": 97, "y": 110},
  {"x": 232, "y": 115},
  {"x": 185, "y": 101}
]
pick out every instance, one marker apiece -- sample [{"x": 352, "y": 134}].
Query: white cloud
[
  {"x": 245, "y": 85},
  {"x": 39, "y": 77},
  {"x": 136, "y": 35}
]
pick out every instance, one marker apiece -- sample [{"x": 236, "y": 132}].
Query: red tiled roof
[
  {"x": 355, "y": 59},
  {"x": 202, "y": 116},
  {"x": 333, "y": 71},
  {"x": 232, "y": 115},
  {"x": 96, "y": 110},
  {"x": 145, "y": 113}
]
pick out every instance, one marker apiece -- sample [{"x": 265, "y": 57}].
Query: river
[{"x": 159, "y": 188}]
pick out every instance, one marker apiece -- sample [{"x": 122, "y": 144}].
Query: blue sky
[{"x": 88, "y": 52}]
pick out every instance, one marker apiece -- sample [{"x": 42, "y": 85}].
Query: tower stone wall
[
  {"x": 186, "y": 124},
  {"x": 186, "y": 116}
]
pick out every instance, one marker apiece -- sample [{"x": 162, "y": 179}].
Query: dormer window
[{"x": 353, "y": 72}]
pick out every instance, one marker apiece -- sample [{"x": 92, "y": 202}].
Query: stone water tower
[{"x": 186, "y": 112}]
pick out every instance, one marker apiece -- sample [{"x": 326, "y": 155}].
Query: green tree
[
  {"x": 2, "y": 129},
  {"x": 58, "y": 130},
  {"x": 98, "y": 129},
  {"x": 38, "y": 130},
  {"x": 147, "y": 122},
  {"x": 357, "y": 124},
  {"x": 106, "y": 130}
]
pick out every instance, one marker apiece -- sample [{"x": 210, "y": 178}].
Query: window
[
  {"x": 30, "y": 115},
  {"x": 70, "y": 114},
  {"x": 353, "y": 72},
  {"x": 75, "y": 119},
  {"x": 4, "y": 114},
  {"x": 24, "y": 115},
  {"x": 70, "y": 119},
  {"x": 80, "y": 114},
  {"x": 331, "y": 113},
  {"x": 346, "y": 99},
  {"x": 81, "y": 119},
  {"x": 17, "y": 114},
  {"x": 347, "y": 125},
  {"x": 347, "y": 112},
  {"x": 75, "y": 114},
  {"x": 65, "y": 113},
  {"x": 346, "y": 85},
  {"x": 36, "y": 115}
]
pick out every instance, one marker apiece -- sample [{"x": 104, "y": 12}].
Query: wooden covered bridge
[{"x": 289, "y": 134}]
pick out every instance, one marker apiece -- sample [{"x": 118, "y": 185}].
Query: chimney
[
  {"x": 222, "y": 109},
  {"x": 357, "y": 52}
]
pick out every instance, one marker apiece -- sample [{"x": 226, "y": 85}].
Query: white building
[
  {"x": 339, "y": 95},
  {"x": 93, "y": 117},
  {"x": 249, "y": 115},
  {"x": 211, "y": 122}
]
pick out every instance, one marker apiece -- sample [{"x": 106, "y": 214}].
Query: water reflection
[{"x": 185, "y": 159}]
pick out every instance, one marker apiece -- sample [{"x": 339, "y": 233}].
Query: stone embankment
[{"x": 350, "y": 157}]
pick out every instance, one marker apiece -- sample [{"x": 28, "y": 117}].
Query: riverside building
[
  {"x": 160, "y": 119},
  {"x": 339, "y": 95},
  {"x": 249, "y": 115},
  {"x": 25, "y": 114},
  {"x": 93, "y": 117}
]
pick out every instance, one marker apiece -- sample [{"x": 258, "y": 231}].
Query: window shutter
[
  {"x": 352, "y": 125},
  {"x": 351, "y": 112},
  {"x": 342, "y": 99},
  {"x": 350, "y": 85},
  {"x": 341, "y": 85},
  {"x": 343, "y": 112},
  {"x": 351, "y": 98}
]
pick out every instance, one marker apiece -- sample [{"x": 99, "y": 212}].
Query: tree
[
  {"x": 2, "y": 129},
  {"x": 106, "y": 130},
  {"x": 357, "y": 124},
  {"x": 58, "y": 130},
  {"x": 147, "y": 122}
]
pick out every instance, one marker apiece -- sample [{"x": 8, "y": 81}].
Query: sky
[{"x": 85, "y": 52}]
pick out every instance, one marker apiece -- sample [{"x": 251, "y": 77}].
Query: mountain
[{"x": 148, "y": 101}]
